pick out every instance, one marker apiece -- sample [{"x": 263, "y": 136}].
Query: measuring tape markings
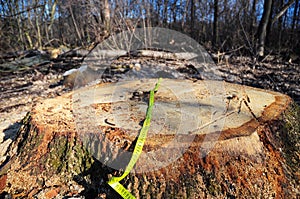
[{"x": 114, "y": 181}]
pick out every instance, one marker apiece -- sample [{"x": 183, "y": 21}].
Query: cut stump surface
[{"x": 207, "y": 139}]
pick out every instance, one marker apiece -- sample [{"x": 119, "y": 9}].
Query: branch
[
  {"x": 23, "y": 11},
  {"x": 282, "y": 11}
]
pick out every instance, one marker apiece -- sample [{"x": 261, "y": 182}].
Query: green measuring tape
[{"x": 114, "y": 181}]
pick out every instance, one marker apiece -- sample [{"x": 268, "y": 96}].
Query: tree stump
[{"x": 207, "y": 139}]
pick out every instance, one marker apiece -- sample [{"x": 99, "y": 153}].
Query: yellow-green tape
[{"x": 114, "y": 181}]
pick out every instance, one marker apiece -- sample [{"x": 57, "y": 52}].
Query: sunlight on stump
[{"x": 206, "y": 139}]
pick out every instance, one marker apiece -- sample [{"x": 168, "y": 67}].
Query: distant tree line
[{"x": 251, "y": 26}]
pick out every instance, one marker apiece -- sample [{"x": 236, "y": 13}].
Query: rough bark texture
[{"x": 256, "y": 159}]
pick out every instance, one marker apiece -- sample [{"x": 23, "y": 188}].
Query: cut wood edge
[{"x": 226, "y": 170}]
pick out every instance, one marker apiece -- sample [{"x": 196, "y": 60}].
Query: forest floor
[{"x": 21, "y": 89}]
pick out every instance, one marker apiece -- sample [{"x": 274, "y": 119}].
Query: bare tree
[
  {"x": 165, "y": 12},
  {"x": 215, "y": 23},
  {"x": 262, "y": 29},
  {"x": 185, "y": 12},
  {"x": 105, "y": 15},
  {"x": 295, "y": 14},
  {"x": 282, "y": 10},
  {"x": 253, "y": 17},
  {"x": 37, "y": 23},
  {"x": 52, "y": 16},
  {"x": 193, "y": 10}
]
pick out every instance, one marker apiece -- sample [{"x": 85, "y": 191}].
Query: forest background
[{"x": 240, "y": 27}]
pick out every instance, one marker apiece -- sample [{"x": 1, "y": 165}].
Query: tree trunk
[
  {"x": 193, "y": 29},
  {"x": 295, "y": 20},
  {"x": 52, "y": 17},
  {"x": 105, "y": 15},
  {"x": 184, "y": 15},
  {"x": 269, "y": 25},
  {"x": 174, "y": 12},
  {"x": 215, "y": 24},
  {"x": 37, "y": 16},
  {"x": 262, "y": 29},
  {"x": 295, "y": 14},
  {"x": 206, "y": 139},
  {"x": 165, "y": 13},
  {"x": 75, "y": 25},
  {"x": 253, "y": 19},
  {"x": 279, "y": 31}
]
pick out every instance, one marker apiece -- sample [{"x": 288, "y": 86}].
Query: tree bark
[
  {"x": 75, "y": 24},
  {"x": 215, "y": 23},
  {"x": 295, "y": 20},
  {"x": 262, "y": 29},
  {"x": 72, "y": 141},
  {"x": 174, "y": 12},
  {"x": 193, "y": 16},
  {"x": 105, "y": 15},
  {"x": 279, "y": 31},
  {"x": 184, "y": 15},
  {"x": 165, "y": 13},
  {"x": 52, "y": 16},
  {"x": 269, "y": 25},
  {"x": 253, "y": 19},
  {"x": 295, "y": 14}
]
